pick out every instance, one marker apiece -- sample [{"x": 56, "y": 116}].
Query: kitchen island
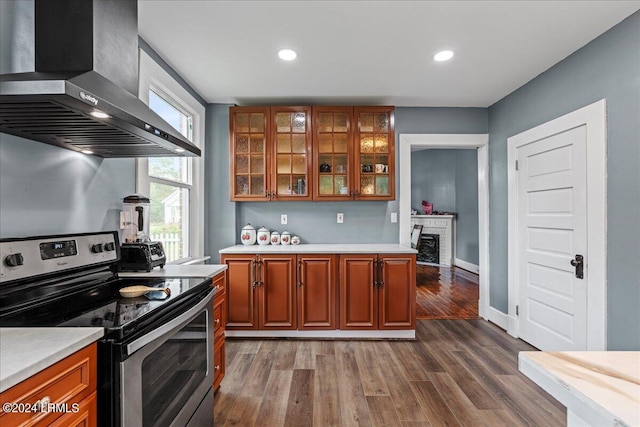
[{"x": 321, "y": 291}]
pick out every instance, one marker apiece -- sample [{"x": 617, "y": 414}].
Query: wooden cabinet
[
  {"x": 71, "y": 381},
  {"x": 305, "y": 153},
  {"x": 219, "y": 321},
  {"x": 377, "y": 291},
  {"x": 270, "y": 149},
  {"x": 316, "y": 282},
  {"x": 261, "y": 291}
]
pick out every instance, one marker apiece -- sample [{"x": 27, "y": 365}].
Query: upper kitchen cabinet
[
  {"x": 270, "y": 153},
  {"x": 374, "y": 159}
]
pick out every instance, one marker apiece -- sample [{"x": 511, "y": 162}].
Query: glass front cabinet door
[{"x": 374, "y": 147}]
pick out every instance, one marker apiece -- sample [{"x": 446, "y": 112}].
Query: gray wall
[
  {"x": 51, "y": 190},
  {"x": 364, "y": 222},
  {"x": 449, "y": 180},
  {"x": 608, "y": 67}
]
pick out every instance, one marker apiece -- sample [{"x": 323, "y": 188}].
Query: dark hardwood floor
[
  {"x": 446, "y": 293},
  {"x": 457, "y": 373}
]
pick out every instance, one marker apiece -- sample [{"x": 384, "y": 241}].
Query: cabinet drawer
[
  {"x": 69, "y": 381},
  {"x": 86, "y": 415},
  {"x": 218, "y": 362},
  {"x": 219, "y": 280},
  {"x": 218, "y": 315}
]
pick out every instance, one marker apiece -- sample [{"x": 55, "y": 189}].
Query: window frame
[{"x": 154, "y": 77}]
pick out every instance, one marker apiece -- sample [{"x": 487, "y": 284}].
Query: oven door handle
[{"x": 167, "y": 327}]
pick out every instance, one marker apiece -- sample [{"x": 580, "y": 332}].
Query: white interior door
[{"x": 552, "y": 232}]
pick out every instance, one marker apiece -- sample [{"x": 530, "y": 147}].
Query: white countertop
[
  {"x": 601, "y": 387},
  {"x": 327, "y": 248},
  {"x": 170, "y": 270},
  {"x": 27, "y": 351},
  {"x": 433, "y": 216}
]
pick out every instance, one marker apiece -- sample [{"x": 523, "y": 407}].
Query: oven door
[{"x": 168, "y": 373}]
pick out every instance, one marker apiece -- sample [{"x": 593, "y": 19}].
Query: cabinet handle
[
  {"x": 381, "y": 273},
  {"x": 216, "y": 368},
  {"x": 216, "y": 321},
  {"x": 253, "y": 273},
  {"x": 273, "y": 195},
  {"x": 375, "y": 273},
  {"x": 299, "y": 284},
  {"x": 42, "y": 405},
  {"x": 259, "y": 264}
]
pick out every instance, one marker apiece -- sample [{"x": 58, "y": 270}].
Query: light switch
[
  {"x": 394, "y": 216},
  {"x": 283, "y": 219},
  {"x": 340, "y": 218}
]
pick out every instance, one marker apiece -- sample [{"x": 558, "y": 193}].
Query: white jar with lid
[
  {"x": 264, "y": 236},
  {"x": 285, "y": 238},
  {"x": 295, "y": 240},
  {"x": 248, "y": 235},
  {"x": 275, "y": 238}
]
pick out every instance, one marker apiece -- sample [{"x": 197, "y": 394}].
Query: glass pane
[
  {"x": 381, "y": 122},
  {"x": 298, "y": 143},
  {"x": 341, "y": 184},
  {"x": 326, "y": 143},
  {"x": 299, "y": 122},
  {"x": 242, "y": 122},
  {"x": 382, "y": 158},
  {"x": 366, "y": 185},
  {"x": 176, "y": 118},
  {"x": 284, "y": 184},
  {"x": 382, "y": 185},
  {"x": 366, "y": 164},
  {"x": 242, "y": 143},
  {"x": 325, "y": 122},
  {"x": 283, "y": 122},
  {"x": 173, "y": 371},
  {"x": 242, "y": 164},
  {"x": 325, "y": 161},
  {"x": 340, "y": 122},
  {"x": 257, "y": 164},
  {"x": 299, "y": 185},
  {"x": 171, "y": 168},
  {"x": 257, "y": 185},
  {"x": 326, "y": 184},
  {"x": 242, "y": 185},
  {"x": 257, "y": 143},
  {"x": 284, "y": 164},
  {"x": 382, "y": 143},
  {"x": 340, "y": 162},
  {"x": 299, "y": 163},
  {"x": 257, "y": 122},
  {"x": 366, "y": 122},
  {"x": 284, "y": 143},
  {"x": 340, "y": 142},
  {"x": 366, "y": 143},
  {"x": 169, "y": 218}
]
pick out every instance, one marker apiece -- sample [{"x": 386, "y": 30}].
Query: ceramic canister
[
  {"x": 264, "y": 236},
  {"x": 285, "y": 238},
  {"x": 248, "y": 235},
  {"x": 275, "y": 238},
  {"x": 295, "y": 240}
]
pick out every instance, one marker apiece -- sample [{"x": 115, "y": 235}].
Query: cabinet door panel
[
  {"x": 250, "y": 152},
  {"x": 316, "y": 292},
  {"x": 241, "y": 310},
  {"x": 398, "y": 292},
  {"x": 277, "y": 295},
  {"x": 358, "y": 296}
]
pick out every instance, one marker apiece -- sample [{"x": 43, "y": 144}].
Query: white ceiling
[{"x": 369, "y": 52}]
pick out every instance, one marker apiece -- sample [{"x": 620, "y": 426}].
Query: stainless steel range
[{"x": 155, "y": 362}]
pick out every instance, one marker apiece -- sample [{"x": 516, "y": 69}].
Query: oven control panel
[{"x": 33, "y": 256}]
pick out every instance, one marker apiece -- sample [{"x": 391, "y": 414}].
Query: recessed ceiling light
[
  {"x": 99, "y": 114},
  {"x": 87, "y": 152},
  {"x": 287, "y": 54},
  {"x": 443, "y": 55},
  {"x": 179, "y": 150}
]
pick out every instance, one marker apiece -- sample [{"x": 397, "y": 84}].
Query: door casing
[{"x": 592, "y": 116}]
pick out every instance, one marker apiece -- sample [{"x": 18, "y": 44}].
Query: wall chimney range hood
[{"x": 69, "y": 77}]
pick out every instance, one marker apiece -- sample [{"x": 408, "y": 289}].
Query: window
[{"x": 170, "y": 184}]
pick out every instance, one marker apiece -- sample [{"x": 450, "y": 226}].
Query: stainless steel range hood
[{"x": 69, "y": 77}]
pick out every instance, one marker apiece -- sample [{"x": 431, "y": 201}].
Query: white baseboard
[
  {"x": 512, "y": 327},
  {"x": 497, "y": 317},
  {"x": 467, "y": 266}
]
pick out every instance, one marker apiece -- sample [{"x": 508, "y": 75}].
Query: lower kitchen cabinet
[
  {"x": 219, "y": 321},
  {"x": 316, "y": 284},
  {"x": 71, "y": 381},
  {"x": 261, "y": 292},
  {"x": 377, "y": 292}
]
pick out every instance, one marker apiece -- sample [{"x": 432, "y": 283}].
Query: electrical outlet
[
  {"x": 283, "y": 219},
  {"x": 394, "y": 217},
  {"x": 340, "y": 218}
]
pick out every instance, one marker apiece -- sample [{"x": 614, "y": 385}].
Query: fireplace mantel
[{"x": 441, "y": 225}]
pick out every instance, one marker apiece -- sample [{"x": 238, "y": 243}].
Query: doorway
[{"x": 450, "y": 141}]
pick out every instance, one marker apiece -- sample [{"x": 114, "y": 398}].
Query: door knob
[{"x": 578, "y": 263}]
